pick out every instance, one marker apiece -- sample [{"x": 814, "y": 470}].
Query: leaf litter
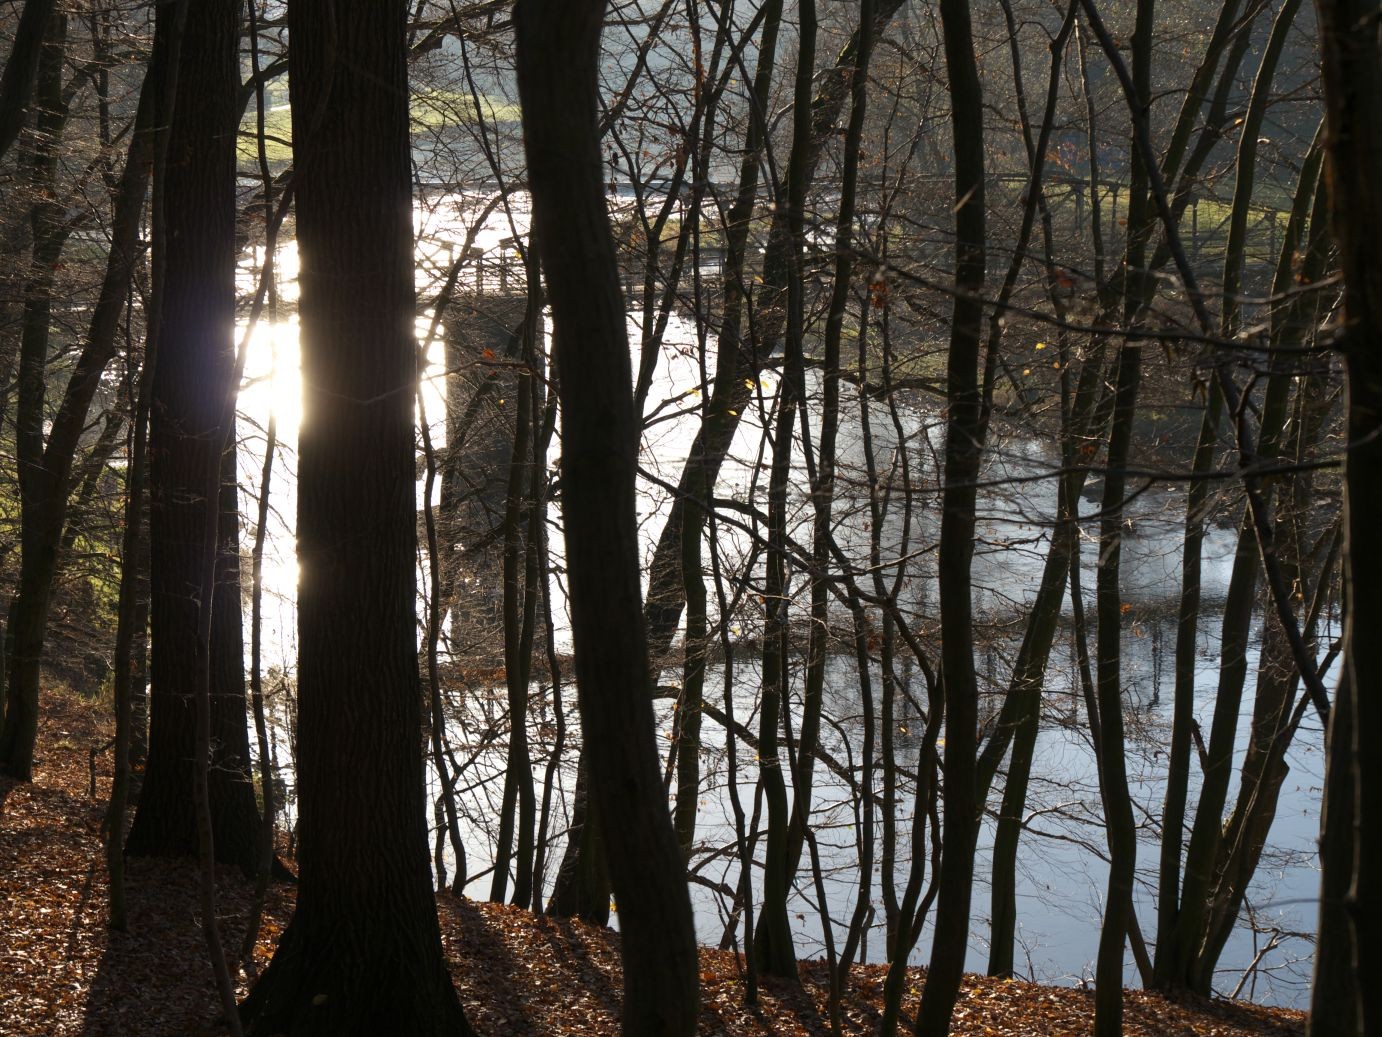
[{"x": 63, "y": 972}]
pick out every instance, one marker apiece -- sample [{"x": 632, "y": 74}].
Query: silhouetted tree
[
  {"x": 963, "y": 440},
  {"x": 362, "y": 954},
  {"x": 1352, "y": 60},
  {"x": 191, "y": 383},
  {"x": 558, "y": 57}
]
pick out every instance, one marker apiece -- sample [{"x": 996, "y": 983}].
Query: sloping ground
[{"x": 63, "y": 973}]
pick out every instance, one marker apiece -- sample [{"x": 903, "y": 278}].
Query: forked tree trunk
[{"x": 773, "y": 952}]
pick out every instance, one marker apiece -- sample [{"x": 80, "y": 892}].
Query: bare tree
[
  {"x": 363, "y": 951},
  {"x": 558, "y": 55}
]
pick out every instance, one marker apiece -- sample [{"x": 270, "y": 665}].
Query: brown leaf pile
[{"x": 62, "y": 972}]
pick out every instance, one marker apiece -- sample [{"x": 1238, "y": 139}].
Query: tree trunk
[
  {"x": 773, "y": 940},
  {"x": 691, "y": 701},
  {"x": 38, "y": 162},
  {"x": 1278, "y": 679},
  {"x": 1113, "y": 778},
  {"x": 772, "y": 950},
  {"x": 1122, "y": 834},
  {"x": 516, "y": 806},
  {"x": 44, "y": 507},
  {"x": 1183, "y": 697},
  {"x": 740, "y": 363},
  {"x": 582, "y": 886},
  {"x": 1170, "y": 969},
  {"x": 1352, "y": 60},
  {"x": 21, "y": 69},
  {"x": 1334, "y": 1000},
  {"x": 191, "y": 382},
  {"x": 362, "y": 954},
  {"x": 962, "y": 456},
  {"x": 558, "y": 59}
]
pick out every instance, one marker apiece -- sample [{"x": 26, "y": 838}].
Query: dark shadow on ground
[
  {"x": 489, "y": 967},
  {"x": 153, "y": 980}
]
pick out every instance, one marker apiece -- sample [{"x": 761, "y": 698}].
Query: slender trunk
[
  {"x": 554, "y": 672},
  {"x": 543, "y": 424},
  {"x": 582, "y": 888},
  {"x": 823, "y": 489},
  {"x": 436, "y": 713},
  {"x": 558, "y": 59},
  {"x": 962, "y": 458},
  {"x": 1118, "y": 815},
  {"x": 1187, "y": 629},
  {"x": 774, "y": 950},
  {"x": 1118, "y": 919},
  {"x": 741, "y": 839},
  {"x": 1246, "y": 166},
  {"x": 518, "y": 770},
  {"x": 267, "y": 777},
  {"x": 1207, "y": 828},
  {"x": 1027, "y": 723},
  {"x": 95, "y": 466},
  {"x": 129, "y": 616},
  {"x": 139, "y": 648},
  {"x": 739, "y": 362},
  {"x": 913, "y": 907},
  {"x": 44, "y": 512},
  {"x": 1278, "y": 680},
  {"x": 1019, "y": 718},
  {"x": 864, "y": 805},
  {"x": 1183, "y": 696},
  {"x": 691, "y": 701}
]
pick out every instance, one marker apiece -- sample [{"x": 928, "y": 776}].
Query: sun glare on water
[{"x": 272, "y": 387}]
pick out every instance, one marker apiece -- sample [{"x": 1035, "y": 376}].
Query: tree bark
[
  {"x": 362, "y": 954},
  {"x": 962, "y": 456},
  {"x": 558, "y": 59},
  {"x": 1352, "y": 60},
  {"x": 191, "y": 382}
]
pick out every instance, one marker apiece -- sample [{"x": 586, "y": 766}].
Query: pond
[{"x": 1062, "y": 871}]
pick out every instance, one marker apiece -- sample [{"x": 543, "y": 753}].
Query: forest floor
[{"x": 63, "y": 972}]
